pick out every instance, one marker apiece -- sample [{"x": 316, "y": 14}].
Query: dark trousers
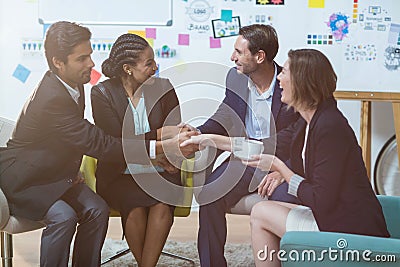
[
  {"x": 81, "y": 207},
  {"x": 212, "y": 232}
]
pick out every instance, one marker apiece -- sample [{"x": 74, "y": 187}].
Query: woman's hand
[
  {"x": 213, "y": 140},
  {"x": 269, "y": 183},
  {"x": 264, "y": 162},
  {"x": 268, "y": 162},
  {"x": 170, "y": 131},
  {"x": 163, "y": 162},
  {"x": 188, "y": 126}
]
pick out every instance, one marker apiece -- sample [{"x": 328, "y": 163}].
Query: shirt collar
[
  {"x": 74, "y": 92},
  {"x": 267, "y": 94}
]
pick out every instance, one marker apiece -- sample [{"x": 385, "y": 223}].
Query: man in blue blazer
[{"x": 252, "y": 108}]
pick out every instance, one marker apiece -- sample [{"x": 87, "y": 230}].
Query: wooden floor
[{"x": 26, "y": 245}]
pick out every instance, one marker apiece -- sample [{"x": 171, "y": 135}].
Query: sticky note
[
  {"x": 183, "y": 39},
  {"x": 215, "y": 42},
  {"x": 151, "y": 33},
  {"x": 150, "y": 41},
  {"x": 140, "y": 33},
  {"x": 157, "y": 74},
  {"x": 94, "y": 77},
  {"x": 45, "y": 27},
  {"x": 316, "y": 3},
  {"x": 226, "y": 15},
  {"x": 21, "y": 73}
]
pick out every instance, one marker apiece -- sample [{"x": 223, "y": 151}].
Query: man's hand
[
  {"x": 170, "y": 131},
  {"x": 171, "y": 147},
  {"x": 79, "y": 179}
]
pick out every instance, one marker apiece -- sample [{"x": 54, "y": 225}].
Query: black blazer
[
  {"x": 45, "y": 151},
  {"x": 229, "y": 119},
  {"x": 336, "y": 185},
  {"x": 111, "y": 112}
]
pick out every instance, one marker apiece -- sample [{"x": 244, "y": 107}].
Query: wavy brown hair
[
  {"x": 312, "y": 76},
  {"x": 261, "y": 37}
]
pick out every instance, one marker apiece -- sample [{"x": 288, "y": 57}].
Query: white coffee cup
[{"x": 245, "y": 148}]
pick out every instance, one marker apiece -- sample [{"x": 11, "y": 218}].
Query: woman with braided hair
[{"x": 150, "y": 104}]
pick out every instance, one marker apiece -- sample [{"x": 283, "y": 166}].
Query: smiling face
[
  {"x": 78, "y": 66},
  {"x": 285, "y": 83},
  {"x": 145, "y": 66},
  {"x": 246, "y": 62}
]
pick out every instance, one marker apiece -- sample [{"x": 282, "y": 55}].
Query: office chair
[
  {"x": 10, "y": 224},
  {"x": 88, "y": 169},
  {"x": 347, "y": 245}
]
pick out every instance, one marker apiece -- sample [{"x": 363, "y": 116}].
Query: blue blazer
[
  {"x": 336, "y": 185},
  {"x": 229, "y": 119}
]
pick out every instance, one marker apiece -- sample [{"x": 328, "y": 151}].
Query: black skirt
[{"x": 127, "y": 192}]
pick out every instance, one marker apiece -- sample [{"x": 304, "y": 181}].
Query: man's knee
[
  {"x": 61, "y": 213},
  {"x": 100, "y": 210}
]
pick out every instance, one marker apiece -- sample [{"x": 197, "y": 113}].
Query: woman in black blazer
[
  {"x": 133, "y": 100},
  {"x": 327, "y": 172}
]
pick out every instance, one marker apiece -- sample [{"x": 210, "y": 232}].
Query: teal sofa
[{"x": 309, "y": 249}]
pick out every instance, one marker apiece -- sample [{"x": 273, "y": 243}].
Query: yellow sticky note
[
  {"x": 143, "y": 34},
  {"x": 140, "y": 33},
  {"x": 150, "y": 41},
  {"x": 316, "y": 3}
]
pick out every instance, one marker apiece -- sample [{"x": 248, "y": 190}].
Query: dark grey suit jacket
[
  {"x": 112, "y": 114},
  {"x": 45, "y": 151}
]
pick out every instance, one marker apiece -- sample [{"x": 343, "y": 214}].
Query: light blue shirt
[
  {"x": 142, "y": 126},
  {"x": 258, "y": 115}
]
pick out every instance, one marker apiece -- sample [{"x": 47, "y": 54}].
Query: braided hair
[{"x": 126, "y": 50}]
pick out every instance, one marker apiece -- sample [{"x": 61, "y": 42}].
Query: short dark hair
[
  {"x": 261, "y": 37},
  {"x": 312, "y": 76},
  {"x": 61, "y": 39},
  {"x": 126, "y": 50}
]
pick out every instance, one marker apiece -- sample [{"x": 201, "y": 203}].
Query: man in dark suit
[
  {"x": 252, "y": 108},
  {"x": 39, "y": 169}
]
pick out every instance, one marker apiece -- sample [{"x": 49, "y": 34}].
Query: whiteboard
[
  {"x": 102, "y": 12},
  {"x": 360, "y": 38}
]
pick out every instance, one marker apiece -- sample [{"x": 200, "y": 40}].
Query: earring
[{"x": 129, "y": 72}]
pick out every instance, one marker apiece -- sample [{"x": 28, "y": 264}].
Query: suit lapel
[
  {"x": 243, "y": 95},
  {"x": 81, "y": 100},
  {"x": 119, "y": 99},
  {"x": 152, "y": 100},
  {"x": 297, "y": 148},
  {"x": 64, "y": 91},
  {"x": 276, "y": 97}
]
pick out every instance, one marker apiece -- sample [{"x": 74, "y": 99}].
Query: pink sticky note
[
  {"x": 215, "y": 42},
  {"x": 183, "y": 39},
  {"x": 151, "y": 33},
  {"x": 94, "y": 77}
]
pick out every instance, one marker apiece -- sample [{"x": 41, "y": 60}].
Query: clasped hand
[{"x": 173, "y": 152}]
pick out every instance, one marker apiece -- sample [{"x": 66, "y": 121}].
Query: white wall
[{"x": 19, "y": 22}]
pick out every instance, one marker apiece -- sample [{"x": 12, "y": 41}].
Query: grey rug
[{"x": 237, "y": 255}]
